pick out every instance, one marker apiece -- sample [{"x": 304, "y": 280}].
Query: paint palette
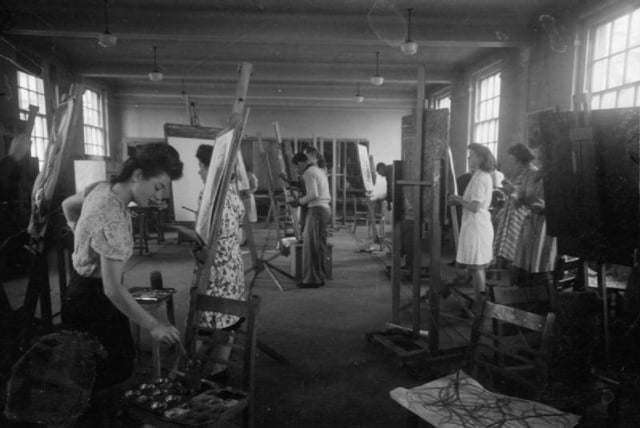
[{"x": 170, "y": 399}]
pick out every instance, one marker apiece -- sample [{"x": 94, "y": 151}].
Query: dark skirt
[{"x": 87, "y": 309}]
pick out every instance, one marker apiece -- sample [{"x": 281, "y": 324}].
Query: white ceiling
[{"x": 305, "y": 53}]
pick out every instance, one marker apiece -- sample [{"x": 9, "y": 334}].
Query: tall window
[
  {"x": 487, "y": 111},
  {"x": 613, "y": 66},
  {"x": 443, "y": 102},
  {"x": 94, "y": 129},
  {"x": 31, "y": 92}
]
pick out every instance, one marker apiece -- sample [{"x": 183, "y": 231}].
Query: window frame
[
  {"x": 475, "y": 88},
  {"x": 590, "y": 28},
  {"x": 39, "y": 142},
  {"x": 440, "y": 95},
  {"x": 104, "y": 130}
]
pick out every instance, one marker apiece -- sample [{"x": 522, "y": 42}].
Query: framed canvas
[
  {"x": 365, "y": 167},
  {"x": 221, "y": 159}
]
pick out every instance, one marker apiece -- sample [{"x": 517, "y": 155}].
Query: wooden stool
[{"x": 151, "y": 299}]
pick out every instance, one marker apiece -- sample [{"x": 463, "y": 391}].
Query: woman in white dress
[{"x": 475, "y": 242}]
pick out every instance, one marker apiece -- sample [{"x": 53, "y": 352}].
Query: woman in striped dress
[
  {"x": 536, "y": 253},
  {"x": 510, "y": 218}
]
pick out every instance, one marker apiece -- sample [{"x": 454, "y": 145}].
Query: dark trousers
[
  {"x": 86, "y": 308},
  {"x": 314, "y": 248}
]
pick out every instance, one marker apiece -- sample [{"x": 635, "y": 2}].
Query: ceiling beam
[{"x": 454, "y": 39}]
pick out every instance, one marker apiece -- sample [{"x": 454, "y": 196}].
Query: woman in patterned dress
[
  {"x": 536, "y": 254},
  {"x": 476, "y": 231},
  {"x": 513, "y": 213},
  {"x": 227, "y": 271}
]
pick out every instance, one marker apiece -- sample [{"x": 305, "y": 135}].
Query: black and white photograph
[{"x": 319, "y": 214}]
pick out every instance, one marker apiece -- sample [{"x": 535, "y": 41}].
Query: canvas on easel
[
  {"x": 365, "y": 167},
  {"x": 220, "y": 160}
]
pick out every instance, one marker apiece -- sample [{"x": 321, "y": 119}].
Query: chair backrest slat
[
  {"x": 511, "y": 360},
  {"x": 515, "y": 316}
]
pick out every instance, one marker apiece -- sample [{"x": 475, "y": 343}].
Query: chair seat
[{"x": 459, "y": 400}]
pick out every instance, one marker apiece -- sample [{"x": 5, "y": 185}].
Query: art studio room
[{"x": 299, "y": 214}]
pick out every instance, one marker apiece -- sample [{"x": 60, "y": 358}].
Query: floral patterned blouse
[{"x": 103, "y": 229}]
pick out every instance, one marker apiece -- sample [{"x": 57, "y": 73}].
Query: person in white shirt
[{"x": 317, "y": 198}]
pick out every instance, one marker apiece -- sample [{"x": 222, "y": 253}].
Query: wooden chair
[
  {"x": 205, "y": 347},
  {"x": 458, "y": 398}
]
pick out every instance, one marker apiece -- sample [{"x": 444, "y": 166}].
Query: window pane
[
  {"x": 608, "y": 100},
  {"x": 625, "y": 97},
  {"x": 601, "y": 42},
  {"x": 616, "y": 71},
  {"x": 599, "y": 75},
  {"x": 633, "y": 66},
  {"x": 595, "y": 102},
  {"x": 637, "y": 96},
  {"x": 634, "y": 37},
  {"x": 620, "y": 30}
]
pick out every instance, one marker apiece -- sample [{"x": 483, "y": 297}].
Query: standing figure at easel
[
  {"x": 317, "y": 197},
  {"x": 476, "y": 231},
  {"x": 227, "y": 271}
]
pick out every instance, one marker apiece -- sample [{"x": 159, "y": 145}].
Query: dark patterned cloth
[{"x": 52, "y": 382}]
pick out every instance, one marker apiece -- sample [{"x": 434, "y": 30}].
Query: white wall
[{"x": 381, "y": 128}]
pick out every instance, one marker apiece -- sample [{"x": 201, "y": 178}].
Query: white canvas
[
  {"x": 219, "y": 158},
  {"x": 365, "y": 167},
  {"x": 185, "y": 191}
]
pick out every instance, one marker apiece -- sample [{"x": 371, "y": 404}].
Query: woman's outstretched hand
[{"x": 165, "y": 333}]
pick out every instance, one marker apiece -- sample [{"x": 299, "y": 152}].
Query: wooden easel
[
  {"x": 421, "y": 174},
  {"x": 272, "y": 220},
  {"x": 42, "y": 229},
  {"x": 235, "y": 122}
]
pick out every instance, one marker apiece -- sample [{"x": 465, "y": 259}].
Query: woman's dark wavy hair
[
  {"x": 521, "y": 153},
  {"x": 153, "y": 159},
  {"x": 487, "y": 161},
  {"x": 314, "y": 152},
  {"x": 204, "y": 153}
]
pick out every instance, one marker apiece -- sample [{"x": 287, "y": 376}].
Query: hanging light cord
[
  {"x": 377, "y": 63},
  {"x": 155, "y": 58},
  {"x": 409, "y": 24},
  {"x": 106, "y": 16}
]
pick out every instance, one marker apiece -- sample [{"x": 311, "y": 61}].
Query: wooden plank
[
  {"x": 396, "y": 242},
  {"x": 516, "y": 295},
  {"x": 436, "y": 140},
  {"x": 515, "y": 316},
  {"x": 188, "y": 131}
]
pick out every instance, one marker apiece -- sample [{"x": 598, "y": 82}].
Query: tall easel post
[
  {"x": 202, "y": 275},
  {"x": 417, "y": 203}
]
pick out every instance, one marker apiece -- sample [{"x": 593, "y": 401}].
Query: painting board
[
  {"x": 365, "y": 167},
  {"x": 220, "y": 161},
  {"x": 184, "y": 192}
]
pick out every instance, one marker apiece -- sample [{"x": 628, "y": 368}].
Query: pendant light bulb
[
  {"x": 156, "y": 74},
  {"x": 358, "y": 98},
  {"x": 409, "y": 47},
  {"x": 377, "y": 79},
  {"x": 106, "y": 39}
]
